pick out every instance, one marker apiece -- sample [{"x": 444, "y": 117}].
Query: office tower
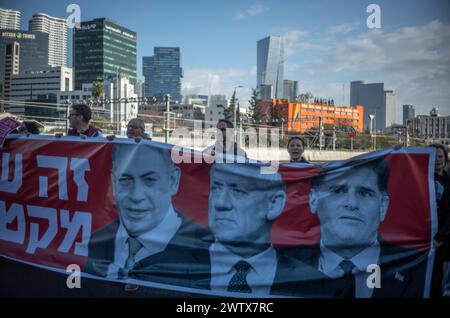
[
  {"x": 102, "y": 50},
  {"x": 147, "y": 64},
  {"x": 290, "y": 90},
  {"x": 163, "y": 72},
  {"x": 10, "y": 60},
  {"x": 32, "y": 49},
  {"x": 376, "y": 101},
  {"x": 270, "y": 64}
]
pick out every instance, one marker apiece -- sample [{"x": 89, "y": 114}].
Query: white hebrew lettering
[
  {"x": 14, "y": 185},
  {"x": 80, "y": 220},
  {"x": 49, "y": 235},
  {"x": 59, "y": 163},
  {"x": 7, "y": 217},
  {"x": 79, "y": 167}
]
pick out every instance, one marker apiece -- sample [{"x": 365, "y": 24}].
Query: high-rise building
[
  {"x": 409, "y": 112},
  {"x": 56, "y": 29},
  {"x": 270, "y": 64},
  {"x": 163, "y": 72},
  {"x": 147, "y": 65},
  {"x": 103, "y": 49},
  {"x": 33, "y": 47},
  {"x": 290, "y": 90},
  {"x": 376, "y": 101},
  {"x": 10, "y": 60},
  {"x": 9, "y": 19}
]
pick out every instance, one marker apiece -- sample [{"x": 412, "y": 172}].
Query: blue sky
[{"x": 327, "y": 42}]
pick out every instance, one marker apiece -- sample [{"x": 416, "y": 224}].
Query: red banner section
[{"x": 124, "y": 211}]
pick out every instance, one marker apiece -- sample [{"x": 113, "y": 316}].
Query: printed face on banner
[
  {"x": 144, "y": 181},
  {"x": 350, "y": 207},
  {"x": 241, "y": 207}
]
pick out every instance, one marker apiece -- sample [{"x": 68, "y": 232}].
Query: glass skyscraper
[
  {"x": 270, "y": 65},
  {"x": 147, "y": 65},
  {"x": 163, "y": 73},
  {"x": 101, "y": 50},
  {"x": 33, "y": 49}
]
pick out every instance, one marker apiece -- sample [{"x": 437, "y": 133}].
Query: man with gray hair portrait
[
  {"x": 150, "y": 240},
  {"x": 243, "y": 205}
]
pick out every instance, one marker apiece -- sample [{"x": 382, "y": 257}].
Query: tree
[
  {"x": 254, "y": 109},
  {"x": 97, "y": 90},
  {"x": 305, "y": 97},
  {"x": 229, "y": 112}
]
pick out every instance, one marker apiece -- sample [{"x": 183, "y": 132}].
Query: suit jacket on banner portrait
[
  {"x": 293, "y": 278},
  {"x": 403, "y": 271},
  {"x": 172, "y": 266}
]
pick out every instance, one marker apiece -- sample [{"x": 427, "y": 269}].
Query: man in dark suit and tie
[
  {"x": 151, "y": 240},
  {"x": 243, "y": 204},
  {"x": 351, "y": 201}
]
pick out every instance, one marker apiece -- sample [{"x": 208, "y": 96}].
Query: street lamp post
[
  {"x": 234, "y": 108},
  {"x": 234, "y": 103},
  {"x": 166, "y": 132},
  {"x": 372, "y": 117}
]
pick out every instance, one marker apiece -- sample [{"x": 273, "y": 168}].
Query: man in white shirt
[
  {"x": 149, "y": 232},
  {"x": 351, "y": 201},
  {"x": 243, "y": 204}
]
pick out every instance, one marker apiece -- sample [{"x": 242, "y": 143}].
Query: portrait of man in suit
[
  {"x": 243, "y": 204},
  {"x": 351, "y": 202},
  {"x": 150, "y": 240}
]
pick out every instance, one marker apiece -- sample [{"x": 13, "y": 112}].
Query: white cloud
[
  {"x": 252, "y": 11},
  {"x": 292, "y": 42},
  {"x": 343, "y": 28},
  {"x": 413, "y": 61},
  {"x": 219, "y": 81}
]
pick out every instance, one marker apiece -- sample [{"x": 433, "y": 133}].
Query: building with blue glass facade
[
  {"x": 147, "y": 64},
  {"x": 270, "y": 65},
  {"x": 163, "y": 73}
]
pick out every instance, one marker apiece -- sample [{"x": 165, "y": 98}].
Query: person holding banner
[
  {"x": 442, "y": 237},
  {"x": 136, "y": 129},
  {"x": 79, "y": 121},
  {"x": 296, "y": 147},
  {"x": 243, "y": 204},
  {"x": 351, "y": 201},
  {"x": 150, "y": 240}
]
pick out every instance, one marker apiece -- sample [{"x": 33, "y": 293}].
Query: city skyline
[{"x": 324, "y": 52}]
